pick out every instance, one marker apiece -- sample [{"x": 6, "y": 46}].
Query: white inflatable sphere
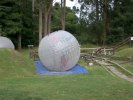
[
  {"x": 6, "y": 43},
  {"x": 59, "y": 51}
]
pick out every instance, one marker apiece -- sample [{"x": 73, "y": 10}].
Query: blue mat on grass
[{"x": 41, "y": 70}]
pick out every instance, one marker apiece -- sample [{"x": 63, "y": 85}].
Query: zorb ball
[
  {"x": 6, "y": 43},
  {"x": 59, "y": 51}
]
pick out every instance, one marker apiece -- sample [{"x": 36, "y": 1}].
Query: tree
[
  {"x": 63, "y": 11},
  {"x": 97, "y": 10},
  {"x": 40, "y": 23},
  {"x": 16, "y": 20},
  {"x": 11, "y": 18},
  {"x": 71, "y": 19},
  {"x": 121, "y": 20},
  {"x": 106, "y": 20},
  {"x": 91, "y": 19},
  {"x": 95, "y": 13},
  {"x": 47, "y": 9},
  {"x": 44, "y": 8},
  {"x": 98, "y": 21}
]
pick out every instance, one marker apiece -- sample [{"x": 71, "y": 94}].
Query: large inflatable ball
[
  {"x": 59, "y": 51},
  {"x": 6, "y": 43}
]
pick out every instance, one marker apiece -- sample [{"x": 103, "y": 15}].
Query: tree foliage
[
  {"x": 16, "y": 19},
  {"x": 10, "y": 17},
  {"x": 95, "y": 21}
]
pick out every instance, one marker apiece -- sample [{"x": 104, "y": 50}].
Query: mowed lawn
[{"x": 18, "y": 81}]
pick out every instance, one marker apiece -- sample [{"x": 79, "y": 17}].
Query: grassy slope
[
  {"x": 98, "y": 85},
  {"x": 12, "y": 63},
  {"x": 126, "y": 53}
]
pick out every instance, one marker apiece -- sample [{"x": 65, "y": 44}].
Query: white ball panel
[
  {"x": 6, "y": 43},
  {"x": 59, "y": 51}
]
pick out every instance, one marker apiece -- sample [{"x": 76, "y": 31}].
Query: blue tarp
[{"x": 41, "y": 70}]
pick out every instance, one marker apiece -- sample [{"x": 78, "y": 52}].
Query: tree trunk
[
  {"x": 97, "y": 10},
  {"x": 40, "y": 23},
  {"x": 106, "y": 21},
  {"x": 49, "y": 24},
  {"x": 45, "y": 24},
  {"x": 19, "y": 41},
  {"x": 47, "y": 18},
  {"x": 63, "y": 10},
  {"x": 33, "y": 5}
]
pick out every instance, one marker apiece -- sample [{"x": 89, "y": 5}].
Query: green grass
[
  {"x": 128, "y": 66},
  {"x": 126, "y": 52},
  {"x": 12, "y": 63},
  {"x": 127, "y": 55},
  {"x": 98, "y": 85}
]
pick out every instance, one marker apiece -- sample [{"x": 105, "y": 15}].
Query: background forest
[{"x": 101, "y": 22}]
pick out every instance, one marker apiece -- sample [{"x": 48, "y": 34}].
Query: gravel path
[
  {"x": 115, "y": 71},
  {"x": 119, "y": 74}
]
